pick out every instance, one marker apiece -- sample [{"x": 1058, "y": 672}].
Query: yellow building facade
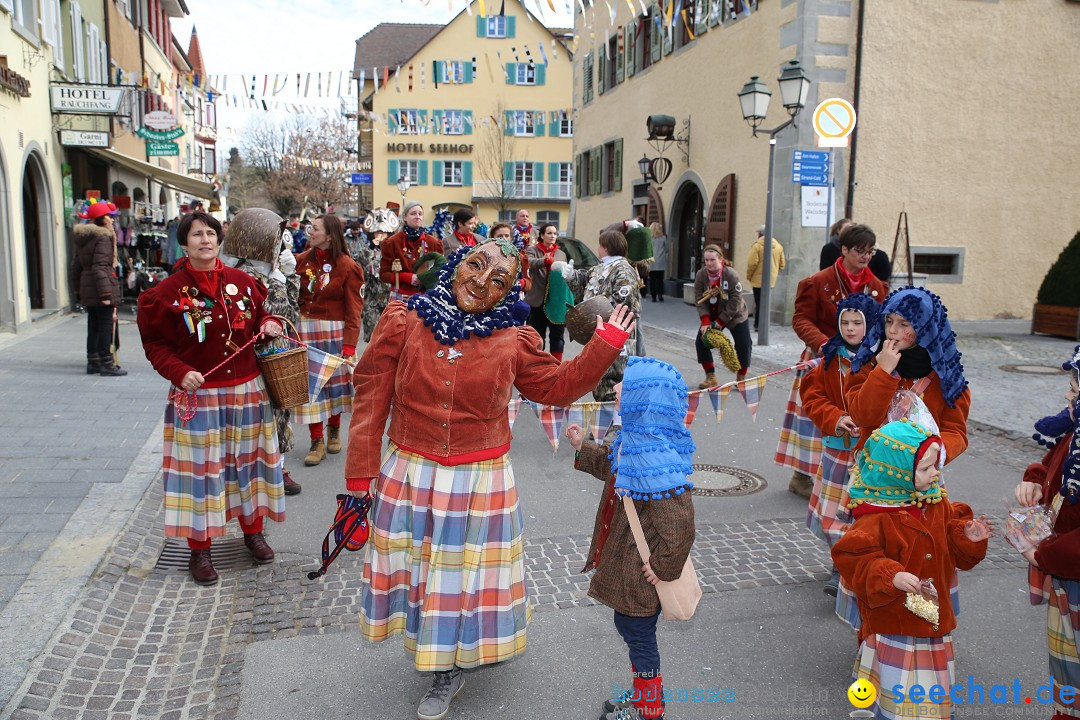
[
  {"x": 478, "y": 115},
  {"x": 936, "y": 88}
]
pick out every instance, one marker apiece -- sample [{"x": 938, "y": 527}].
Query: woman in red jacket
[
  {"x": 446, "y": 562},
  {"x": 331, "y": 304},
  {"x": 404, "y": 248},
  {"x": 222, "y": 462}
]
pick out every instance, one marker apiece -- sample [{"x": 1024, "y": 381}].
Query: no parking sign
[{"x": 834, "y": 120}]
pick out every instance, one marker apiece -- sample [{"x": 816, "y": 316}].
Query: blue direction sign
[
  {"x": 810, "y": 178},
  {"x": 810, "y": 167},
  {"x": 815, "y": 156},
  {"x": 360, "y": 179}
]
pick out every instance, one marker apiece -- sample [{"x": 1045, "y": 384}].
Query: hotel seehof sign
[{"x": 86, "y": 99}]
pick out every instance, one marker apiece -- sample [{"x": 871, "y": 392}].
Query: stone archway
[
  {"x": 39, "y": 242},
  {"x": 686, "y": 226}
]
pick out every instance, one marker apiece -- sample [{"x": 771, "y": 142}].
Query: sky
[{"x": 265, "y": 37}]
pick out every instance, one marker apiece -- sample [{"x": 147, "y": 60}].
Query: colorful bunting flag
[
  {"x": 552, "y": 419},
  {"x": 512, "y": 410},
  {"x": 321, "y": 367},
  {"x": 692, "y": 404},
  {"x": 751, "y": 391}
]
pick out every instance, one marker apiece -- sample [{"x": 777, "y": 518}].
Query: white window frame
[
  {"x": 524, "y": 123},
  {"x": 453, "y": 72},
  {"x": 52, "y": 33},
  {"x": 24, "y": 24},
  {"x": 543, "y": 219},
  {"x": 523, "y": 173},
  {"x": 410, "y": 170},
  {"x": 210, "y": 115},
  {"x": 566, "y": 126},
  {"x": 453, "y": 173},
  {"x": 496, "y": 26},
  {"x": 408, "y": 122},
  {"x": 453, "y": 122},
  {"x": 78, "y": 61},
  {"x": 525, "y": 74},
  {"x": 209, "y": 162},
  {"x": 566, "y": 172},
  {"x": 5, "y": 5}
]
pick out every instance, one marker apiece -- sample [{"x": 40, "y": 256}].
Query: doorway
[
  {"x": 688, "y": 216},
  {"x": 31, "y": 209}
]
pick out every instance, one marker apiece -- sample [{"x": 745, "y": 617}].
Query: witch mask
[{"x": 484, "y": 277}]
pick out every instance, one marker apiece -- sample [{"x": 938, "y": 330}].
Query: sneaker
[
  {"x": 613, "y": 704},
  {"x": 291, "y": 487},
  {"x": 445, "y": 686},
  {"x": 801, "y": 485},
  {"x": 832, "y": 585}
]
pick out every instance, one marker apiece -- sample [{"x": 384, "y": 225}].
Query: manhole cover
[
  {"x": 725, "y": 481},
  {"x": 1034, "y": 369},
  {"x": 227, "y": 554}
]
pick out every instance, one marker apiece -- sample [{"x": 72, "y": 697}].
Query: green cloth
[
  {"x": 557, "y": 296},
  {"x": 639, "y": 244},
  {"x": 884, "y": 473}
]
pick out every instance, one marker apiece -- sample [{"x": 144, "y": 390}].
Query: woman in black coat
[{"x": 96, "y": 285}]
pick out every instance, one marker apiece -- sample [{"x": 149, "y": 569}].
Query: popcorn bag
[
  {"x": 925, "y": 602},
  {"x": 1026, "y": 527}
]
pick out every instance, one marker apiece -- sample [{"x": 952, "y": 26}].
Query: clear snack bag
[
  {"x": 925, "y": 602},
  {"x": 1026, "y": 527},
  {"x": 907, "y": 404}
]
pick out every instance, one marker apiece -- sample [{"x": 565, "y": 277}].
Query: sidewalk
[{"x": 1015, "y": 377}]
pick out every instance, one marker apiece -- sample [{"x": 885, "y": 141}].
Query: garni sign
[
  {"x": 86, "y": 99},
  {"x": 162, "y": 149},
  {"x": 84, "y": 138}
]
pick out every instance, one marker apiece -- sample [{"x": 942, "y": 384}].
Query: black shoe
[
  {"x": 832, "y": 585},
  {"x": 661, "y": 298},
  {"x": 112, "y": 370},
  {"x": 93, "y": 368}
]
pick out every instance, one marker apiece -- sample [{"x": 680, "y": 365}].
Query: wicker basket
[{"x": 286, "y": 375}]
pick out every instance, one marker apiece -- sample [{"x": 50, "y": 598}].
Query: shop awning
[{"x": 177, "y": 181}]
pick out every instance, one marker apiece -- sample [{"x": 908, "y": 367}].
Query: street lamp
[
  {"x": 645, "y": 166},
  {"x": 754, "y": 101},
  {"x": 403, "y": 186}
]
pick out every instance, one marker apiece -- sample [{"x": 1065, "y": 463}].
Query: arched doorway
[
  {"x": 686, "y": 229},
  {"x": 38, "y": 242},
  {"x": 7, "y": 252},
  {"x": 720, "y": 226}
]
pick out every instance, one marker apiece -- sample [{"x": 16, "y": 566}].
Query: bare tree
[{"x": 497, "y": 148}]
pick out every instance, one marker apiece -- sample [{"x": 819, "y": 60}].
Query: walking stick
[{"x": 395, "y": 267}]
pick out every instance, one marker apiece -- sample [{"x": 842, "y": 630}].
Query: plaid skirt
[
  {"x": 800, "y": 440},
  {"x": 827, "y": 517},
  {"x": 889, "y": 660},
  {"x": 446, "y": 562},
  {"x": 336, "y": 395},
  {"x": 1062, "y": 598},
  {"x": 224, "y": 463}
]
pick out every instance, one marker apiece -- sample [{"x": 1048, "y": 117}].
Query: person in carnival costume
[
  {"x": 96, "y": 285},
  {"x": 822, "y": 394},
  {"x": 1054, "y": 575},
  {"x": 222, "y": 461},
  {"x": 403, "y": 248},
  {"x": 549, "y": 293},
  {"x": 648, "y": 461},
  {"x": 719, "y": 303},
  {"x": 331, "y": 305},
  {"x": 907, "y": 540},
  {"x": 378, "y": 225},
  {"x": 445, "y": 562},
  {"x": 814, "y": 321}
]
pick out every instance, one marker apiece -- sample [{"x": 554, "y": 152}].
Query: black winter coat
[{"x": 93, "y": 275}]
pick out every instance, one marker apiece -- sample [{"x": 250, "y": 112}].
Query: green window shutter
[
  {"x": 508, "y": 171},
  {"x": 669, "y": 34},
  {"x": 595, "y": 160},
  {"x": 422, "y": 172},
  {"x": 481, "y": 26},
  {"x": 467, "y": 122},
  {"x": 436, "y": 172},
  {"x": 392, "y": 172},
  {"x": 439, "y": 70},
  {"x": 701, "y": 12},
  {"x": 714, "y": 12},
  {"x": 466, "y": 173},
  {"x": 508, "y": 122},
  {"x": 511, "y": 22},
  {"x": 657, "y": 34},
  {"x": 619, "y": 55},
  {"x": 422, "y": 118},
  {"x": 541, "y": 74},
  {"x": 511, "y": 73},
  {"x": 601, "y": 64},
  {"x": 437, "y": 122},
  {"x": 467, "y": 74},
  {"x": 392, "y": 121},
  {"x": 603, "y": 179},
  {"x": 555, "y": 125},
  {"x": 577, "y": 175},
  {"x": 553, "y": 179},
  {"x": 631, "y": 47},
  {"x": 538, "y": 123},
  {"x": 616, "y": 181},
  {"x": 538, "y": 172}
]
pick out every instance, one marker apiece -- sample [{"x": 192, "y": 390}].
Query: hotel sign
[
  {"x": 84, "y": 138},
  {"x": 86, "y": 99}
]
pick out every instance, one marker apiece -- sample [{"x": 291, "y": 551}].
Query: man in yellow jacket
[{"x": 754, "y": 270}]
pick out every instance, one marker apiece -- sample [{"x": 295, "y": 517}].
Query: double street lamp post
[{"x": 754, "y": 99}]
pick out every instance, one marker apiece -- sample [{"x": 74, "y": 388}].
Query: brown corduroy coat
[{"x": 668, "y": 526}]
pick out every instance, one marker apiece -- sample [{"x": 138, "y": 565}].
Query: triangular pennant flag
[
  {"x": 751, "y": 391},
  {"x": 575, "y": 416},
  {"x": 552, "y": 419},
  {"x": 692, "y": 402},
  {"x": 535, "y": 406},
  {"x": 321, "y": 367},
  {"x": 718, "y": 397},
  {"x": 512, "y": 410},
  {"x": 605, "y": 415}
]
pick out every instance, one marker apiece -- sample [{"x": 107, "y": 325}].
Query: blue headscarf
[
  {"x": 933, "y": 333},
  {"x": 449, "y": 323},
  {"x": 870, "y": 309},
  {"x": 653, "y": 451},
  {"x": 1052, "y": 428}
]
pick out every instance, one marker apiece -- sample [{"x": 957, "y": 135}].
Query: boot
[
  {"x": 201, "y": 568},
  {"x": 445, "y": 687},
  {"x": 333, "y": 440},
  {"x": 291, "y": 488},
  {"x": 111, "y": 369},
  {"x": 316, "y": 453},
  {"x": 832, "y": 585},
  {"x": 801, "y": 485},
  {"x": 93, "y": 365},
  {"x": 650, "y": 697},
  {"x": 259, "y": 549},
  {"x": 709, "y": 382}
]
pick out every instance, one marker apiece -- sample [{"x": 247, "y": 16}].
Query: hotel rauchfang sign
[{"x": 86, "y": 99}]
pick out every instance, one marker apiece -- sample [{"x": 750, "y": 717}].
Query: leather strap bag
[{"x": 678, "y": 598}]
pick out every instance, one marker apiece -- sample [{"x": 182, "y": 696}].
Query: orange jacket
[
  {"x": 814, "y": 320},
  {"x": 822, "y": 394},
  {"x": 879, "y": 545},
  {"x": 870, "y": 391},
  {"x": 340, "y": 300}
]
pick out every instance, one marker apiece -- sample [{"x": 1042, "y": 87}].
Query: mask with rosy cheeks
[
  {"x": 483, "y": 278},
  {"x": 852, "y": 327},
  {"x": 900, "y": 330}
]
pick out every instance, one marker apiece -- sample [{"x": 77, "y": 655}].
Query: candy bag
[
  {"x": 1026, "y": 527},
  {"x": 925, "y": 602}
]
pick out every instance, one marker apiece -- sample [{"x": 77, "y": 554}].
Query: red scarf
[
  {"x": 855, "y": 283},
  {"x": 548, "y": 250},
  {"x": 714, "y": 280},
  {"x": 209, "y": 281},
  {"x": 526, "y": 232},
  {"x": 468, "y": 240}
]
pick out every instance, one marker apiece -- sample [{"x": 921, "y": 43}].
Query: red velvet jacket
[
  {"x": 879, "y": 545},
  {"x": 1058, "y": 554},
  {"x": 870, "y": 391},
  {"x": 340, "y": 300},
  {"x": 814, "y": 320},
  {"x": 174, "y": 351},
  {"x": 398, "y": 247},
  {"x": 451, "y": 401}
]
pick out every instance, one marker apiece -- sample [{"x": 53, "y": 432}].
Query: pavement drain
[
  {"x": 228, "y": 554},
  {"x": 725, "y": 481},
  {"x": 1033, "y": 369}
]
